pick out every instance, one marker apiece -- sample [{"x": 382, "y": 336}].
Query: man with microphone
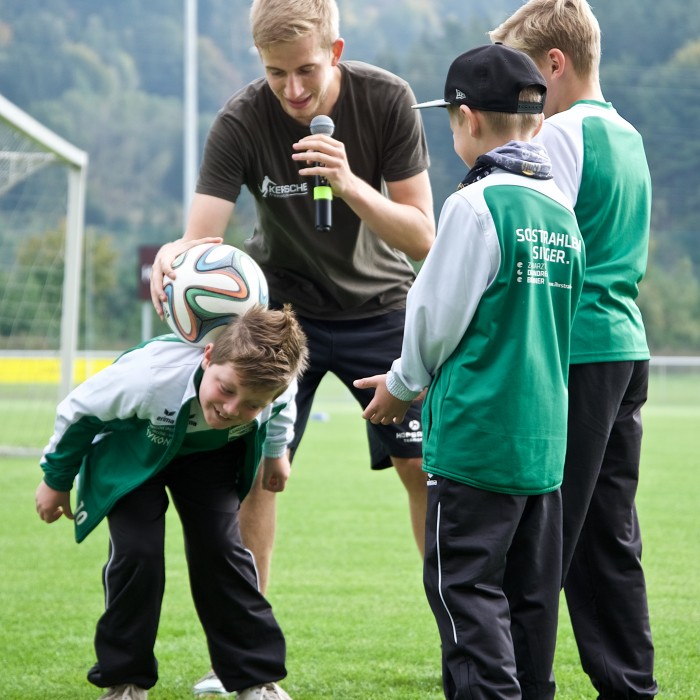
[{"x": 348, "y": 283}]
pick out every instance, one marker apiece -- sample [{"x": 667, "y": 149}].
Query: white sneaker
[
  {"x": 126, "y": 691},
  {"x": 209, "y": 686},
  {"x": 267, "y": 691}
]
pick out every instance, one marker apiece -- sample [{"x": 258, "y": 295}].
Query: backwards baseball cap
[{"x": 490, "y": 78}]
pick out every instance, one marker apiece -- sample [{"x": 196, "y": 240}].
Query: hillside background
[{"x": 108, "y": 77}]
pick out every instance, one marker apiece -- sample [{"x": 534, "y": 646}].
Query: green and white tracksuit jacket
[
  {"x": 598, "y": 161},
  {"x": 488, "y": 324},
  {"x": 126, "y": 423}
]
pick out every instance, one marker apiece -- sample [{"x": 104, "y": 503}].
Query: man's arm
[
  {"x": 404, "y": 220},
  {"x": 207, "y": 223}
]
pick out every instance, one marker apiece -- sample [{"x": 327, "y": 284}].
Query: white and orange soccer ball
[{"x": 212, "y": 284}]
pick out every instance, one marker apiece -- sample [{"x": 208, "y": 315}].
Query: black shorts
[{"x": 352, "y": 350}]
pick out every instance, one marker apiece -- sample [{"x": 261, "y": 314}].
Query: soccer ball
[{"x": 212, "y": 284}]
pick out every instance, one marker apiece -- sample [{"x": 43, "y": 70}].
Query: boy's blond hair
[
  {"x": 567, "y": 25},
  {"x": 274, "y": 21},
  {"x": 266, "y": 347},
  {"x": 504, "y": 123}
]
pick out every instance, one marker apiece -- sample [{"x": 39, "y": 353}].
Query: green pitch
[{"x": 346, "y": 579}]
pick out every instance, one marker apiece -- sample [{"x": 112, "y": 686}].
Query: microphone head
[{"x": 322, "y": 124}]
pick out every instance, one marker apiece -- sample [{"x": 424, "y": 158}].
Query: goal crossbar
[{"x": 41, "y": 134}]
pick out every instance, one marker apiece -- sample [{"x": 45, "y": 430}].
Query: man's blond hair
[
  {"x": 275, "y": 21},
  {"x": 266, "y": 347},
  {"x": 567, "y": 25}
]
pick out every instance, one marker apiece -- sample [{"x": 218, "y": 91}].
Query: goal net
[{"x": 42, "y": 201}]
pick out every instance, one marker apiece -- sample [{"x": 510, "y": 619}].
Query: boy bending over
[{"x": 167, "y": 414}]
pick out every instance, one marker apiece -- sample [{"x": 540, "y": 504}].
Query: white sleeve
[
  {"x": 441, "y": 303},
  {"x": 280, "y": 430},
  {"x": 114, "y": 393},
  {"x": 565, "y": 156}
]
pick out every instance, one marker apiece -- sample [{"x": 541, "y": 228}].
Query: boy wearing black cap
[{"x": 487, "y": 331}]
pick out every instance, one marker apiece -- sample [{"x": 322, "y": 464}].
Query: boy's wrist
[
  {"x": 57, "y": 485},
  {"x": 274, "y": 451},
  {"x": 398, "y": 389}
]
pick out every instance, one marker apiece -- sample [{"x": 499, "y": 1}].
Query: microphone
[{"x": 323, "y": 194}]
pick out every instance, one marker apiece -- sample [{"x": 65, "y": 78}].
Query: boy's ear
[
  {"x": 473, "y": 121},
  {"x": 555, "y": 63},
  {"x": 206, "y": 360}
]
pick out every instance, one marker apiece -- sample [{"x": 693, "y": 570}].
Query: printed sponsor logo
[
  {"x": 269, "y": 188},
  {"x": 548, "y": 250},
  {"x": 159, "y": 434},
  {"x": 410, "y": 436},
  {"x": 239, "y": 430},
  {"x": 548, "y": 238},
  {"x": 167, "y": 417},
  {"x": 548, "y": 246},
  {"x": 432, "y": 481}
]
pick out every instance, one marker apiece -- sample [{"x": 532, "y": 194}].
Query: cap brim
[{"x": 432, "y": 103}]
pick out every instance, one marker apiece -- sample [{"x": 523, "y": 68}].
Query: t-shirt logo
[
  {"x": 269, "y": 188},
  {"x": 266, "y": 184},
  {"x": 239, "y": 430}
]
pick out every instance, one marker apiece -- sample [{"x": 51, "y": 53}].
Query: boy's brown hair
[
  {"x": 267, "y": 347},
  {"x": 567, "y": 25}
]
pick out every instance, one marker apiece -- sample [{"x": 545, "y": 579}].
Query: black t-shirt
[{"x": 346, "y": 273}]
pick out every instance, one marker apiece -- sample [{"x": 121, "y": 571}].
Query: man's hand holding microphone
[{"x": 328, "y": 166}]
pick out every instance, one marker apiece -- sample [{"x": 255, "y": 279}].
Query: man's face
[
  {"x": 225, "y": 401},
  {"x": 303, "y": 76}
]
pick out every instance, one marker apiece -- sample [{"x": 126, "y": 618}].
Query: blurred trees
[{"x": 109, "y": 78}]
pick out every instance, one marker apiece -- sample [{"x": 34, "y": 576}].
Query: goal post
[{"x": 43, "y": 181}]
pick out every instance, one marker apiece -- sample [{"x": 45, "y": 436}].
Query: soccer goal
[{"x": 42, "y": 204}]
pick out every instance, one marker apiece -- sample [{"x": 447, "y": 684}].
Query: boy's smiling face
[{"x": 225, "y": 401}]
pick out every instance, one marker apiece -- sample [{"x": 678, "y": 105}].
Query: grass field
[{"x": 346, "y": 581}]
